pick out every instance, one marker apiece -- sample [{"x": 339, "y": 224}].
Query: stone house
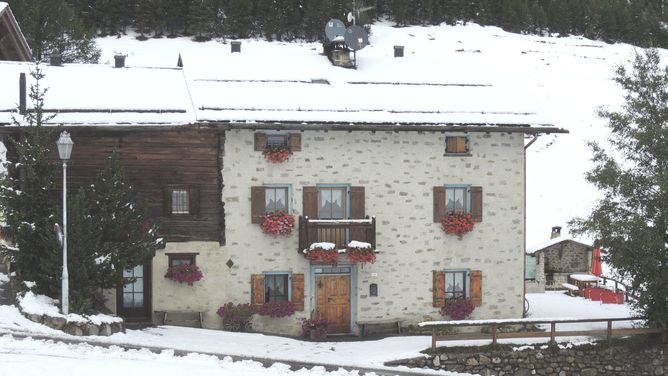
[
  {"x": 372, "y": 161},
  {"x": 549, "y": 264}
]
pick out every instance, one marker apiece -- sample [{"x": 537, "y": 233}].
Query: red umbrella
[{"x": 596, "y": 262}]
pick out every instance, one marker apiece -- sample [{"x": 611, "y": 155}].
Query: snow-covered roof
[
  {"x": 3, "y": 6},
  {"x": 584, "y": 277},
  {"x": 548, "y": 243},
  {"x": 272, "y": 82}
]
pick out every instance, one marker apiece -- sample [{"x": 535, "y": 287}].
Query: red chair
[{"x": 611, "y": 297}]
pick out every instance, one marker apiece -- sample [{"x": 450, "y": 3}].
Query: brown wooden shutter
[
  {"x": 257, "y": 289},
  {"x": 298, "y": 291},
  {"x": 167, "y": 201},
  {"x": 193, "y": 200},
  {"x": 476, "y": 203},
  {"x": 357, "y": 212},
  {"x": 439, "y": 203},
  {"x": 461, "y": 144},
  {"x": 439, "y": 288},
  {"x": 295, "y": 141},
  {"x": 450, "y": 145},
  {"x": 310, "y": 202},
  {"x": 476, "y": 288},
  {"x": 260, "y": 141},
  {"x": 257, "y": 205}
]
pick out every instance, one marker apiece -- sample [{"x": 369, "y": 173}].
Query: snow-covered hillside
[{"x": 567, "y": 77}]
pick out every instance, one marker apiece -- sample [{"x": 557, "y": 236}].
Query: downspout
[{"x": 524, "y": 248}]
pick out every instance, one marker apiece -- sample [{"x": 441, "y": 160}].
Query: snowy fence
[{"x": 496, "y": 334}]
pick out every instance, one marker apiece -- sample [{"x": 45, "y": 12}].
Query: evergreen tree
[
  {"x": 200, "y": 19},
  {"x": 144, "y": 18},
  {"x": 53, "y": 27},
  {"x": 631, "y": 221},
  {"x": 239, "y": 20},
  {"x": 29, "y": 199}
]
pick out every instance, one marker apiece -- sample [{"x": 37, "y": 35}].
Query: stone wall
[
  {"x": 77, "y": 328},
  {"x": 563, "y": 259},
  {"x": 537, "y": 285},
  {"x": 586, "y": 360}
]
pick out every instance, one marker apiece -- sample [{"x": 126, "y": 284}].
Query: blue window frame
[
  {"x": 277, "y": 286},
  {"x": 333, "y": 201},
  {"x": 277, "y": 197},
  {"x": 458, "y": 198},
  {"x": 457, "y": 284}
]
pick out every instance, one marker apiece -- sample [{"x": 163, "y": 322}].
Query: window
[
  {"x": 456, "y": 145},
  {"x": 530, "y": 267},
  {"x": 277, "y": 140},
  {"x": 457, "y": 284},
  {"x": 276, "y": 198},
  {"x": 176, "y": 259},
  {"x": 277, "y": 287},
  {"x": 180, "y": 201},
  {"x": 457, "y": 199},
  {"x": 263, "y": 141},
  {"x": 332, "y": 202}
]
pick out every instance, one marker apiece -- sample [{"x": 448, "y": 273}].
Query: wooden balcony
[{"x": 337, "y": 231}]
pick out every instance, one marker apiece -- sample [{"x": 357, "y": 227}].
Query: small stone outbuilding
[{"x": 549, "y": 264}]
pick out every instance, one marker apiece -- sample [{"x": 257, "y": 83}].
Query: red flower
[
  {"x": 184, "y": 273},
  {"x": 361, "y": 255},
  {"x": 277, "y": 154},
  {"x": 278, "y": 223},
  {"x": 327, "y": 256},
  {"x": 457, "y": 223}
]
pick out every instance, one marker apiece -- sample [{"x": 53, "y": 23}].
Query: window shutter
[
  {"x": 167, "y": 201},
  {"x": 298, "y": 291},
  {"x": 439, "y": 288},
  {"x": 193, "y": 200},
  {"x": 310, "y": 202},
  {"x": 260, "y": 141},
  {"x": 439, "y": 203},
  {"x": 476, "y": 288},
  {"x": 451, "y": 144},
  {"x": 357, "y": 212},
  {"x": 461, "y": 144},
  {"x": 257, "y": 205},
  {"x": 295, "y": 141},
  {"x": 476, "y": 203},
  {"x": 257, "y": 289}
]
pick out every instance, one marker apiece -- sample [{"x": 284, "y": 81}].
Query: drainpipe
[
  {"x": 524, "y": 254},
  {"x": 535, "y": 137}
]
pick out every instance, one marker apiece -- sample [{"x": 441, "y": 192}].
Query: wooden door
[
  {"x": 333, "y": 302},
  {"x": 134, "y": 299}
]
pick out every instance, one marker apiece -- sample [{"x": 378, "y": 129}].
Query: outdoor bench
[
  {"x": 365, "y": 324},
  {"x": 571, "y": 289},
  {"x": 181, "y": 317}
]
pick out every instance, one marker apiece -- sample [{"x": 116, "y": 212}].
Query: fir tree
[
  {"x": 239, "y": 21},
  {"x": 631, "y": 220},
  {"x": 200, "y": 20}
]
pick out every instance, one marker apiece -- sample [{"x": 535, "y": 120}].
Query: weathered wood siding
[{"x": 155, "y": 160}]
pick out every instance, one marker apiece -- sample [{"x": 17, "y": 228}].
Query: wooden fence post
[
  {"x": 553, "y": 326},
  {"x": 494, "y": 327},
  {"x": 433, "y": 339},
  {"x": 609, "y": 332}
]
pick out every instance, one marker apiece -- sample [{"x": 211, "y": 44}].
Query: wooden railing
[
  {"x": 495, "y": 334},
  {"x": 337, "y": 231}
]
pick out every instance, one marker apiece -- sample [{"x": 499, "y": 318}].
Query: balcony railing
[{"x": 337, "y": 231}]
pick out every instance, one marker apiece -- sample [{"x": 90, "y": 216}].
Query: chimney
[
  {"x": 398, "y": 51},
  {"x": 56, "y": 60},
  {"x": 119, "y": 61},
  {"x": 179, "y": 63},
  {"x": 235, "y": 46},
  {"x": 22, "y": 93},
  {"x": 556, "y": 232}
]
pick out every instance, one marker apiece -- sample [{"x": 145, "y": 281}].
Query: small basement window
[
  {"x": 456, "y": 145},
  {"x": 180, "y": 201}
]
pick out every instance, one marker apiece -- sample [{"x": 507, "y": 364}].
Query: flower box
[
  {"x": 360, "y": 252},
  {"x": 188, "y": 273},
  {"x": 456, "y": 223},
  {"x": 457, "y": 309},
  {"x": 277, "y": 154},
  {"x": 279, "y": 308},
  {"x": 236, "y": 317},
  {"x": 322, "y": 252},
  {"x": 278, "y": 223},
  {"x": 315, "y": 329}
]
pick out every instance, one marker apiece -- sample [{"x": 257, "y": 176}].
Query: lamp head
[{"x": 65, "y": 145}]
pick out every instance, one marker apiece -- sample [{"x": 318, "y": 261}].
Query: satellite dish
[
  {"x": 334, "y": 28},
  {"x": 356, "y": 37},
  {"x": 350, "y": 17}
]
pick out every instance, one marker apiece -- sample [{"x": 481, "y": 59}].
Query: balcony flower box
[
  {"x": 188, "y": 273},
  {"x": 322, "y": 252},
  {"x": 278, "y": 223},
  {"x": 456, "y": 223},
  {"x": 360, "y": 252}
]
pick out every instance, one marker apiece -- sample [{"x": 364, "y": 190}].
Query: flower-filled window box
[
  {"x": 277, "y": 153},
  {"x": 457, "y": 223},
  {"x": 457, "y": 309},
  {"x": 322, "y": 252},
  {"x": 276, "y": 308},
  {"x": 360, "y": 252},
  {"x": 236, "y": 317},
  {"x": 188, "y": 273},
  {"x": 278, "y": 223}
]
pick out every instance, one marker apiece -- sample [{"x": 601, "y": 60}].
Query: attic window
[
  {"x": 277, "y": 140},
  {"x": 458, "y": 145},
  {"x": 262, "y": 141}
]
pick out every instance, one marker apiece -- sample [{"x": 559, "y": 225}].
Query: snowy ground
[
  {"x": 29, "y": 356},
  {"x": 569, "y": 78}
]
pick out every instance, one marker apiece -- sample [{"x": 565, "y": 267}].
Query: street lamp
[{"x": 65, "y": 150}]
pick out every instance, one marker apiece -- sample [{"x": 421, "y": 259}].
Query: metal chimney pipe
[
  {"x": 235, "y": 46},
  {"x": 119, "y": 61},
  {"x": 398, "y": 51},
  {"x": 56, "y": 60},
  {"x": 22, "y": 93}
]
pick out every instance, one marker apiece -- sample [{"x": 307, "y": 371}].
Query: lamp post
[{"x": 65, "y": 150}]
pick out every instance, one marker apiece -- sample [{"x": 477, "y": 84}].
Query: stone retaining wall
[
  {"x": 77, "y": 328},
  {"x": 586, "y": 360}
]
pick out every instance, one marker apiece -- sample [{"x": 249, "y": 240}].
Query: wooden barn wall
[{"x": 154, "y": 161}]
